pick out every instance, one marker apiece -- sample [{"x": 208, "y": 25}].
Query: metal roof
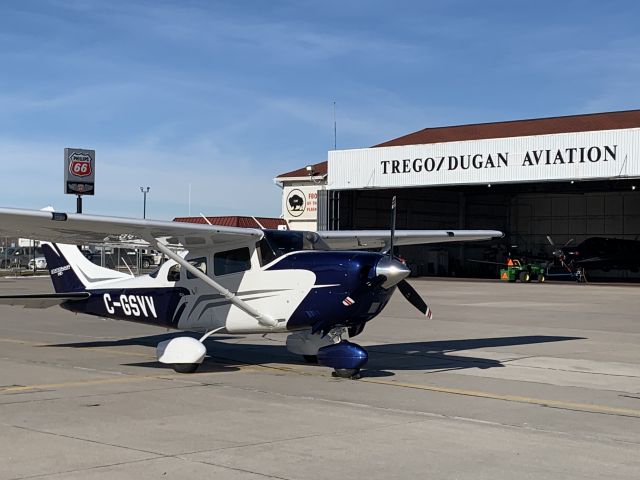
[
  {"x": 319, "y": 169},
  {"x": 237, "y": 221},
  {"x": 521, "y": 128},
  {"x": 513, "y": 128}
]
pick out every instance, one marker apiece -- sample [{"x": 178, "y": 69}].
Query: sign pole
[{"x": 79, "y": 204}]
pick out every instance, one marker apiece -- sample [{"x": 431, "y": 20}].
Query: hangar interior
[{"x": 526, "y": 212}]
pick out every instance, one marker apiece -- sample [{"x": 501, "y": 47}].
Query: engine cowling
[{"x": 343, "y": 356}]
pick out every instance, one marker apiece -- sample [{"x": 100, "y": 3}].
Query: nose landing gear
[{"x": 346, "y": 358}]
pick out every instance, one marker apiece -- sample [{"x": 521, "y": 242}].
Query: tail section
[{"x": 71, "y": 271}]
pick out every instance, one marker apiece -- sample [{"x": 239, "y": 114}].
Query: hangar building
[{"x": 569, "y": 177}]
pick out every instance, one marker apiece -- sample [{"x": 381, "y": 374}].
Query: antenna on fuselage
[{"x": 206, "y": 219}]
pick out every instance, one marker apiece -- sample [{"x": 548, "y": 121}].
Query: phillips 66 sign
[{"x": 79, "y": 171}]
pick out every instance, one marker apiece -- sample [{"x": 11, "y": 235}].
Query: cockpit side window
[
  {"x": 277, "y": 243},
  {"x": 265, "y": 252},
  {"x": 232, "y": 261},
  {"x": 283, "y": 242}
]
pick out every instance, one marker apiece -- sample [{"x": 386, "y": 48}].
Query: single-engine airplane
[
  {"x": 317, "y": 286},
  {"x": 599, "y": 253}
]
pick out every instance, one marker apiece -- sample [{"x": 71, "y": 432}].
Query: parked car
[
  {"x": 18, "y": 257},
  {"x": 40, "y": 262},
  {"x": 114, "y": 257}
]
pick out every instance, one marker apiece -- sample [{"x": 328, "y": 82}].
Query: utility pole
[
  {"x": 335, "y": 128},
  {"x": 144, "y": 205}
]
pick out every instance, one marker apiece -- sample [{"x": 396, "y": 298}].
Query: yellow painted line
[
  {"x": 583, "y": 407},
  {"x": 116, "y": 351},
  {"x": 82, "y": 383},
  {"x": 20, "y": 342}
]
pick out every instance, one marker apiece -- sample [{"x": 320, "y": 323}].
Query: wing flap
[
  {"x": 355, "y": 239},
  {"x": 42, "y": 300}
]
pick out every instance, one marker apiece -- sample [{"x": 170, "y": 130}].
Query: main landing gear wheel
[
  {"x": 310, "y": 358},
  {"x": 183, "y": 354},
  {"x": 185, "y": 367},
  {"x": 352, "y": 373}
]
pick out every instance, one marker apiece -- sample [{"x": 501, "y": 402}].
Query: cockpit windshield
[{"x": 280, "y": 242}]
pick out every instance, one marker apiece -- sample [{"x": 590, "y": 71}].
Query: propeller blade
[
  {"x": 414, "y": 298},
  {"x": 393, "y": 226},
  {"x": 550, "y": 240},
  {"x": 569, "y": 242}
]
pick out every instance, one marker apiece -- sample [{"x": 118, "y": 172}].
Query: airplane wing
[
  {"x": 355, "y": 239},
  {"x": 82, "y": 229},
  {"x": 42, "y": 300}
]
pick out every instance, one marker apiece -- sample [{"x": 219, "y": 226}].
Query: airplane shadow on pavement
[{"x": 383, "y": 358}]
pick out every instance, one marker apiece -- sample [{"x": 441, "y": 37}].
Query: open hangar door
[
  {"x": 593, "y": 209},
  {"x": 527, "y": 213},
  {"x": 441, "y": 208}
]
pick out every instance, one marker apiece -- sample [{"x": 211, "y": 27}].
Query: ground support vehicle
[{"x": 523, "y": 272}]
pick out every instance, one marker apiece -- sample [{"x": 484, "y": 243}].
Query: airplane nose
[{"x": 394, "y": 270}]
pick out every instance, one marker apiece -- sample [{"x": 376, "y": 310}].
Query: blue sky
[{"x": 226, "y": 95}]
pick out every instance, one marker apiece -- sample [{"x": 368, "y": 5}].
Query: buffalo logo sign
[
  {"x": 80, "y": 164},
  {"x": 296, "y": 203}
]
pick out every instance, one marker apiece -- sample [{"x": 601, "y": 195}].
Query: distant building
[{"x": 303, "y": 192}]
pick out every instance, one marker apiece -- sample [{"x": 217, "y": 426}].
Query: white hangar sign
[{"x": 554, "y": 157}]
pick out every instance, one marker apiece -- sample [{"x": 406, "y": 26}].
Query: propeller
[
  {"x": 390, "y": 272},
  {"x": 393, "y": 226},
  {"x": 558, "y": 252},
  {"x": 414, "y": 298}
]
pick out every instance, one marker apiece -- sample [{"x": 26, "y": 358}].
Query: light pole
[{"x": 144, "y": 205}]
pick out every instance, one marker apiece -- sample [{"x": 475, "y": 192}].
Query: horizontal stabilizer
[{"x": 42, "y": 300}]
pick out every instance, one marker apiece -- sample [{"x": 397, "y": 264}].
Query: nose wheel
[
  {"x": 345, "y": 358},
  {"x": 352, "y": 373}
]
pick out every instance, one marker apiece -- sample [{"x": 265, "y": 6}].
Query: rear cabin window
[
  {"x": 200, "y": 263},
  {"x": 232, "y": 261},
  {"x": 174, "y": 272}
]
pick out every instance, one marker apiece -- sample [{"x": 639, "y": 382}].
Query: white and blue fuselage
[{"x": 301, "y": 289}]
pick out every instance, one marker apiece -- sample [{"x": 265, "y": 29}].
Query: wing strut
[{"x": 242, "y": 305}]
